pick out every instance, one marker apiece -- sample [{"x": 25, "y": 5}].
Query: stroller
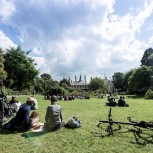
[{"x": 5, "y": 110}]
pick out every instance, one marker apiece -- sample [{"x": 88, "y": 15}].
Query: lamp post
[{"x": 33, "y": 91}]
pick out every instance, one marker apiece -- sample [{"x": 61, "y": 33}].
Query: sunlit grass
[{"x": 84, "y": 139}]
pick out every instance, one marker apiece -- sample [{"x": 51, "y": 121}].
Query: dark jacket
[{"x": 21, "y": 120}]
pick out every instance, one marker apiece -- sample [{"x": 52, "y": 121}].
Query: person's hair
[
  {"x": 53, "y": 98},
  {"x": 34, "y": 114}
]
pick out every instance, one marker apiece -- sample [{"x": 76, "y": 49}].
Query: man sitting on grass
[
  {"x": 15, "y": 105},
  {"x": 21, "y": 120},
  {"x": 121, "y": 102},
  {"x": 111, "y": 101},
  {"x": 53, "y": 117}
]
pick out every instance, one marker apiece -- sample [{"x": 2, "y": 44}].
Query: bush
[
  {"x": 25, "y": 92},
  {"x": 149, "y": 94}
]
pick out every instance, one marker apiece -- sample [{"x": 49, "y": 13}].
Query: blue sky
[{"x": 73, "y": 37}]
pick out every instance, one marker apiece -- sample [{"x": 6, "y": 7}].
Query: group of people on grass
[
  {"x": 112, "y": 102},
  {"x": 23, "y": 121},
  {"x": 15, "y": 104},
  {"x": 27, "y": 120}
]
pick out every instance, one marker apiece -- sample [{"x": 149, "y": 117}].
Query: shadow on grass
[
  {"x": 140, "y": 139},
  {"x": 5, "y": 132},
  {"x": 33, "y": 134},
  {"x": 26, "y": 134}
]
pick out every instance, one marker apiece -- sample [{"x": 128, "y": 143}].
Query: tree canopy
[
  {"x": 118, "y": 80},
  {"x": 98, "y": 84},
  {"x": 3, "y": 73},
  {"x": 146, "y": 55},
  {"x": 140, "y": 80},
  {"x": 20, "y": 68}
]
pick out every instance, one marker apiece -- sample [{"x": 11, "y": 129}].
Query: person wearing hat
[
  {"x": 53, "y": 117},
  {"x": 21, "y": 120},
  {"x": 35, "y": 104}
]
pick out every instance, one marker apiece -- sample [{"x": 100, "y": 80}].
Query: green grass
[{"x": 87, "y": 138}]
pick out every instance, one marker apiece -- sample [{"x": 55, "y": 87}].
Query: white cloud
[
  {"x": 5, "y": 42},
  {"x": 142, "y": 15},
  {"x": 6, "y": 9},
  {"x": 85, "y": 37},
  {"x": 150, "y": 40}
]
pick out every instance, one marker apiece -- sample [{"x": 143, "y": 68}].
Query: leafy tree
[
  {"x": 46, "y": 76},
  {"x": 126, "y": 79},
  {"x": 3, "y": 73},
  {"x": 43, "y": 83},
  {"x": 149, "y": 60},
  {"x": 47, "y": 86},
  {"x": 118, "y": 80},
  {"x": 146, "y": 55},
  {"x": 20, "y": 68},
  {"x": 98, "y": 84},
  {"x": 140, "y": 81},
  {"x": 64, "y": 81}
]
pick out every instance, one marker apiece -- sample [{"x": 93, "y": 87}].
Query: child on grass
[{"x": 34, "y": 121}]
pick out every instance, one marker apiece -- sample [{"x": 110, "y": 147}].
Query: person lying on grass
[{"x": 34, "y": 121}]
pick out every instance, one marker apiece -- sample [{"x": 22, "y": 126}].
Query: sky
[{"x": 69, "y": 38}]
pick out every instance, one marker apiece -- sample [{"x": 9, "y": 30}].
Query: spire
[
  {"x": 85, "y": 80},
  {"x": 80, "y": 79},
  {"x": 75, "y": 78},
  {"x": 91, "y": 79}
]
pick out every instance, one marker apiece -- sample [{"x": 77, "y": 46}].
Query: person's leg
[
  {"x": 57, "y": 127},
  {"x": 10, "y": 125}
]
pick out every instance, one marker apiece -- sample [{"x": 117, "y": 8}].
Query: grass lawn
[{"x": 87, "y": 138}]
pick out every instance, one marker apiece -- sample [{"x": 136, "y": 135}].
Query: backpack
[{"x": 73, "y": 122}]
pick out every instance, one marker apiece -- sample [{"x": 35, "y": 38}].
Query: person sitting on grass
[
  {"x": 14, "y": 104},
  {"x": 122, "y": 102},
  {"x": 35, "y": 104},
  {"x": 53, "y": 117},
  {"x": 21, "y": 120},
  {"x": 111, "y": 101},
  {"x": 34, "y": 121}
]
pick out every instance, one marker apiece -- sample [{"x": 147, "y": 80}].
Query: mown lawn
[{"x": 87, "y": 138}]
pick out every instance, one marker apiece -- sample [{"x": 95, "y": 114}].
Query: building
[{"x": 80, "y": 84}]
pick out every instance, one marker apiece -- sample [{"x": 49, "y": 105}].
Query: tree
[
  {"x": 98, "y": 84},
  {"x": 46, "y": 81},
  {"x": 149, "y": 61},
  {"x": 146, "y": 55},
  {"x": 46, "y": 76},
  {"x": 20, "y": 68},
  {"x": 3, "y": 73},
  {"x": 140, "y": 81},
  {"x": 118, "y": 80},
  {"x": 65, "y": 81},
  {"x": 126, "y": 79}
]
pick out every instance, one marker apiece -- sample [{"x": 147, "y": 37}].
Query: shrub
[
  {"x": 25, "y": 92},
  {"x": 149, "y": 94}
]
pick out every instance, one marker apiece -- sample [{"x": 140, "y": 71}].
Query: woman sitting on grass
[{"x": 34, "y": 121}]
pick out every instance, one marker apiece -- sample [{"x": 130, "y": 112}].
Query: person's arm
[
  {"x": 61, "y": 116},
  {"x": 47, "y": 114},
  {"x": 27, "y": 112}
]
